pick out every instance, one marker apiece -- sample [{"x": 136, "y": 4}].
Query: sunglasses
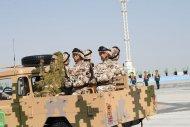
[{"x": 53, "y": 59}]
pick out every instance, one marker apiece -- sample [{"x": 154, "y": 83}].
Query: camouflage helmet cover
[
  {"x": 87, "y": 54},
  {"x": 79, "y": 52},
  {"x": 115, "y": 53},
  {"x": 66, "y": 57},
  {"x": 104, "y": 49}
]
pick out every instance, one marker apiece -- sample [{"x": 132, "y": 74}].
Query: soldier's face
[
  {"x": 103, "y": 56},
  {"x": 76, "y": 57},
  {"x": 53, "y": 60}
]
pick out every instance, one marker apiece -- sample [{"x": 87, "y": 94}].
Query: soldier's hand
[
  {"x": 93, "y": 81},
  {"x": 86, "y": 80},
  {"x": 68, "y": 84}
]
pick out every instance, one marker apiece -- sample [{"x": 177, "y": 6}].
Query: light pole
[{"x": 128, "y": 63}]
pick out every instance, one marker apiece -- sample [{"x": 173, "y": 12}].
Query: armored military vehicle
[{"x": 19, "y": 107}]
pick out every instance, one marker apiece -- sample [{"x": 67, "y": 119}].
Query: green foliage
[{"x": 53, "y": 81}]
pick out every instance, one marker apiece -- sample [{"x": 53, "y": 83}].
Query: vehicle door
[
  {"x": 9, "y": 106},
  {"x": 23, "y": 87},
  {"x": 32, "y": 107}
]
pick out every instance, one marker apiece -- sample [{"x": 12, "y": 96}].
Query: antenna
[{"x": 14, "y": 51}]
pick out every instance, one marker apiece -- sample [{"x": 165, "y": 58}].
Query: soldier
[
  {"x": 146, "y": 78},
  {"x": 87, "y": 59},
  {"x": 103, "y": 71},
  {"x": 157, "y": 79},
  {"x": 87, "y": 55},
  {"x": 67, "y": 83},
  {"x": 80, "y": 73},
  {"x": 118, "y": 69},
  {"x": 66, "y": 62},
  {"x": 53, "y": 81}
]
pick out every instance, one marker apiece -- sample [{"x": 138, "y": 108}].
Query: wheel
[
  {"x": 59, "y": 123},
  {"x": 32, "y": 61}
]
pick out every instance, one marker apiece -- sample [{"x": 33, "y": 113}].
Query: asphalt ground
[{"x": 173, "y": 106}]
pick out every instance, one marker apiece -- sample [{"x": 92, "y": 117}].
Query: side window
[
  {"x": 5, "y": 89},
  {"x": 35, "y": 79},
  {"x": 23, "y": 86}
]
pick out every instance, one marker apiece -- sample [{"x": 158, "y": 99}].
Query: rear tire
[{"x": 33, "y": 61}]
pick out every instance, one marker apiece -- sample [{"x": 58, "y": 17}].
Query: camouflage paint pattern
[{"x": 98, "y": 109}]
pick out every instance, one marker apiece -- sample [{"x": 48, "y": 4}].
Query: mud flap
[{"x": 2, "y": 118}]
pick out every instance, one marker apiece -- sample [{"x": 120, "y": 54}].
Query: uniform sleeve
[
  {"x": 103, "y": 74},
  {"x": 118, "y": 70}
]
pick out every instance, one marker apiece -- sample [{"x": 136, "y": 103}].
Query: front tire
[{"x": 59, "y": 123}]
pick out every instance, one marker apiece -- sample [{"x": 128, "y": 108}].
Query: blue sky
[{"x": 159, "y": 29}]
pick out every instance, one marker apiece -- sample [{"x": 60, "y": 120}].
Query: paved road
[{"x": 173, "y": 108}]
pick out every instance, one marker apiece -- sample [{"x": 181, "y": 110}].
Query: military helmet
[
  {"x": 104, "y": 49},
  {"x": 79, "y": 52},
  {"x": 87, "y": 54},
  {"x": 66, "y": 57},
  {"x": 115, "y": 53}
]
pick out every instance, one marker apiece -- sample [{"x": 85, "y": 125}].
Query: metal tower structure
[{"x": 128, "y": 63}]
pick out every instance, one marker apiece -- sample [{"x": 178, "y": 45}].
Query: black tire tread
[
  {"x": 59, "y": 123},
  {"x": 32, "y": 61}
]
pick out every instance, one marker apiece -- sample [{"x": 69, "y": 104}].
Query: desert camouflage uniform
[
  {"x": 67, "y": 77},
  {"x": 79, "y": 73},
  {"x": 67, "y": 81},
  {"x": 87, "y": 60},
  {"x": 104, "y": 74},
  {"x": 118, "y": 69}
]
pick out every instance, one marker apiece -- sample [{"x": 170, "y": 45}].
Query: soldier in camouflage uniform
[
  {"x": 87, "y": 59},
  {"x": 67, "y": 70},
  {"x": 118, "y": 69},
  {"x": 80, "y": 73},
  {"x": 66, "y": 61},
  {"x": 103, "y": 72}
]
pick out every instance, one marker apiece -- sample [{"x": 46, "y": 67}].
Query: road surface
[{"x": 173, "y": 108}]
